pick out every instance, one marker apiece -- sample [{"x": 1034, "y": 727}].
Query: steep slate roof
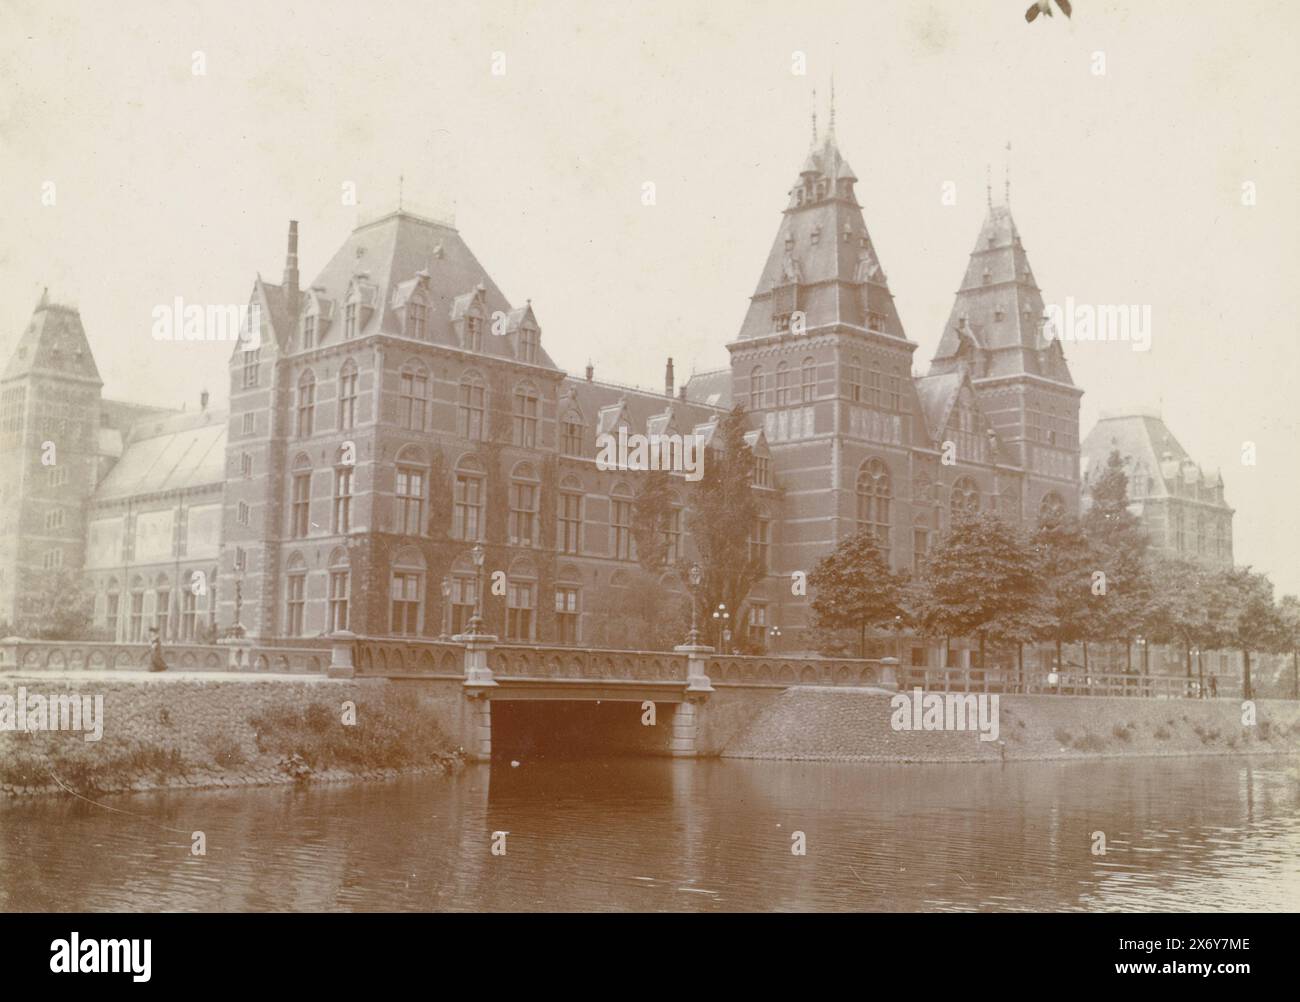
[
  {"x": 600, "y": 403},
  {"x": 823, "y": 242},
  {"x": 173, "y": 453},
  {"x": 999, "y": 280},
  {"x": 53, "y": 343},
  {"x": 1142, "y": 438},
  {"x": 712, "y": 388},
  {"x": 391, "y": 251},
  {"x": 936, "y": 395}
]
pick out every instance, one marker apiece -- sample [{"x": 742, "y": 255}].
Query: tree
[
  {"x": 58, "y": 605},
  {"x": 1119, "y": 543},
  {"x": 643, "y": 615},
  {"x": 855, "y": 588},
  {"x": 1288, "y": 610},
  {"x": 1250, "y": 620},
  {"x": 1182, "y": 606},
  {"x": 1065, "y": 561},
  {"x": 981, "y": 581},
  {"x": 721, "y": 516},
  {"x": 650, "y": 515}
]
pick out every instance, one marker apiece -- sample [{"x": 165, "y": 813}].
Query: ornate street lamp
[
  {"x": 721, "y": 616},
  {"x": 476, "y": 622},
  {"x": 694, "y": 576},
  {"x": 446, "y": 608}
]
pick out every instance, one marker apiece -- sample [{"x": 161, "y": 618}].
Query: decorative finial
[
  {"x": 1006, "y": 177},
  {"x": 401, "y": 180},
  {"x": 830, "y": 129},
  {"x": 814, "y": 117},
  {"x": 988, "y": 184}
]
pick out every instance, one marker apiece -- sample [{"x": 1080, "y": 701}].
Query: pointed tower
[
  {"x": 49, "y": 436},
  {"x": 822, "y": 365},
  {"x": 995, "y": 335}
]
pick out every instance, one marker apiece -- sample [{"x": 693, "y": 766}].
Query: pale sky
[{"x": 1126, "y": 186}]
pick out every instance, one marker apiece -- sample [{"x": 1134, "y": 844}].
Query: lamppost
[
  {"x": 721, "y": 616},
  {"x": 476, "y": 622},
  {"x": 775, "y": 634},
  {"x": 694, "y": 576},
  {"x": 446, "y": 608}
]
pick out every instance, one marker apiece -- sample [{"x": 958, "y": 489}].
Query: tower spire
[
  {"x": 988, "y": 184},
  {"x": 830, "y": 129},
  {"x": 814, "y": 118},
  {"x": 1006, "y": 177}
]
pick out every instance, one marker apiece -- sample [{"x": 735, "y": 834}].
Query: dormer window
[
  {"x": 416, "y": 314},
  {"x": 308, "y": 332},
  {"x": 350, "y": 321},
  {"x": 528, "y": 345},
  {"x": 474, "y": 333}
]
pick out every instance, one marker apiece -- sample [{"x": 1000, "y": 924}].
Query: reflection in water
[{"x": 659, "y": 835}]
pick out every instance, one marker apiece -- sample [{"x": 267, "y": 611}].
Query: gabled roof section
[
  {"x": 710, "y": 388},
  {"x": 823, "y": 262},
  {"x": 937, "y": 395},
  {"x": 181, "y": 452},
  {"x": 995, "y": 325},
  {"x": 53, "y": 344}
]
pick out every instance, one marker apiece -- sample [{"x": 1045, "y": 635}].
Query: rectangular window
[
  {"x": 758, "y": 624},
  {"x": 762, "y": 471},
  {"x": 474, "y": 333},
  {"x": 414, "y": 394},
  {"x": 246, "y": 466},
  {"x": 873, "y": 387},
  {"x": 528, "y": 345},
  {"x": 570, "y": 532},
  {"x": 162, "y": 608},
  {"x": 415, "y": 317},
  {"x": 309, "y": 332},
  {"x": 251, "y": 359},
  {"x": 760, "y": 542},
  {"x": 519, "y": 612},
  {"x": 306, "y": 409},
  {"x": 410, "y": 502},
  {"x": 673, "y": 536},
  {"x": 854, "y": 373},
  {"x": 189, "y": 613},
  {"x": 110, "y": 615},
  {"x": 241, "y": 513},
  {"x": 462, "y": 604},
  {"x": 249, "y": 425},
  {"x": 405, "y": 614},
  {"x": 297, "y": 602},
  {"x": 621, "y": 523},
  {"x": 566, "y": 615},
  {"x": 348, "y": 400},
  {"x": 895, "y": 401},
  {"x": 137, "y": 616},
  {"x": 523, "y": 508},
  {"x": 468, "y": 516},
  {"x": 350, "y": 321},
  {"x": 343, "y": 501},
  {"x": 469, "y": 415},
  {"x": 300, "y": 507},
  {"x": 920, "y": 548},
  {"x": 338, "y": 601},
  {"x": 525, "y": 420}
]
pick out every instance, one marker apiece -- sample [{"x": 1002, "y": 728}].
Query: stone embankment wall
[
  {"x": 822, "y": 724},
  {"x": 170, "y": 731}
]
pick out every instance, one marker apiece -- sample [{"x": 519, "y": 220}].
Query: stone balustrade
[{"x": 17, "y": 654}]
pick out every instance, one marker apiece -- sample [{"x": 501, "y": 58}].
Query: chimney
[
  {"x": 203, "y": 400},
  {"x": 668, "y": 379},
  {"x": 591, "y": 371},
  {"x": 291, "y": 267}
]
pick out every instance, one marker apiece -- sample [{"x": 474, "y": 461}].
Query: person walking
[{"x": 156, "y": 662}]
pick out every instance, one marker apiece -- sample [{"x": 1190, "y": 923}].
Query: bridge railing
[
  {"x": 408, "y": 656},
  {"x": 543, "y": 661},
  {"x": 1064, "y": 683},
  {"x": 17, "y": 654},
  {"x": 781, "y": 672}
]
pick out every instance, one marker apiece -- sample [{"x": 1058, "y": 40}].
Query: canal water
[{"x": 1201, "y": 834}]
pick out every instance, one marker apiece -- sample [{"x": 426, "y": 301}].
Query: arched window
[
  {"x": 412, "y": 405},
  {"x": 1051, "y": 510},
  {"x": 162, "y": 605},
  {"x": 873, "y": 490},
  {"x": 348, "y": 396},
  {"x": 920, "y": 542},
  {"x": 406, "y": 593},
  {"x": 523, "y": 506},
  {"x": 965, "y": 500},
  {"x": 306, "y": 404},
  {"x": 525, "y": 416},
  {"x": 756, "y": 388},
  {"x": 468, "y": 497},
  {"x": 809, "y": 383},
  {"x": 782, "y": 385},
  {"x": 470, "y": 411}
]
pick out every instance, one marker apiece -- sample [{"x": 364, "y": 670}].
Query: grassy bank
[{"x": 270, "y": 741}]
